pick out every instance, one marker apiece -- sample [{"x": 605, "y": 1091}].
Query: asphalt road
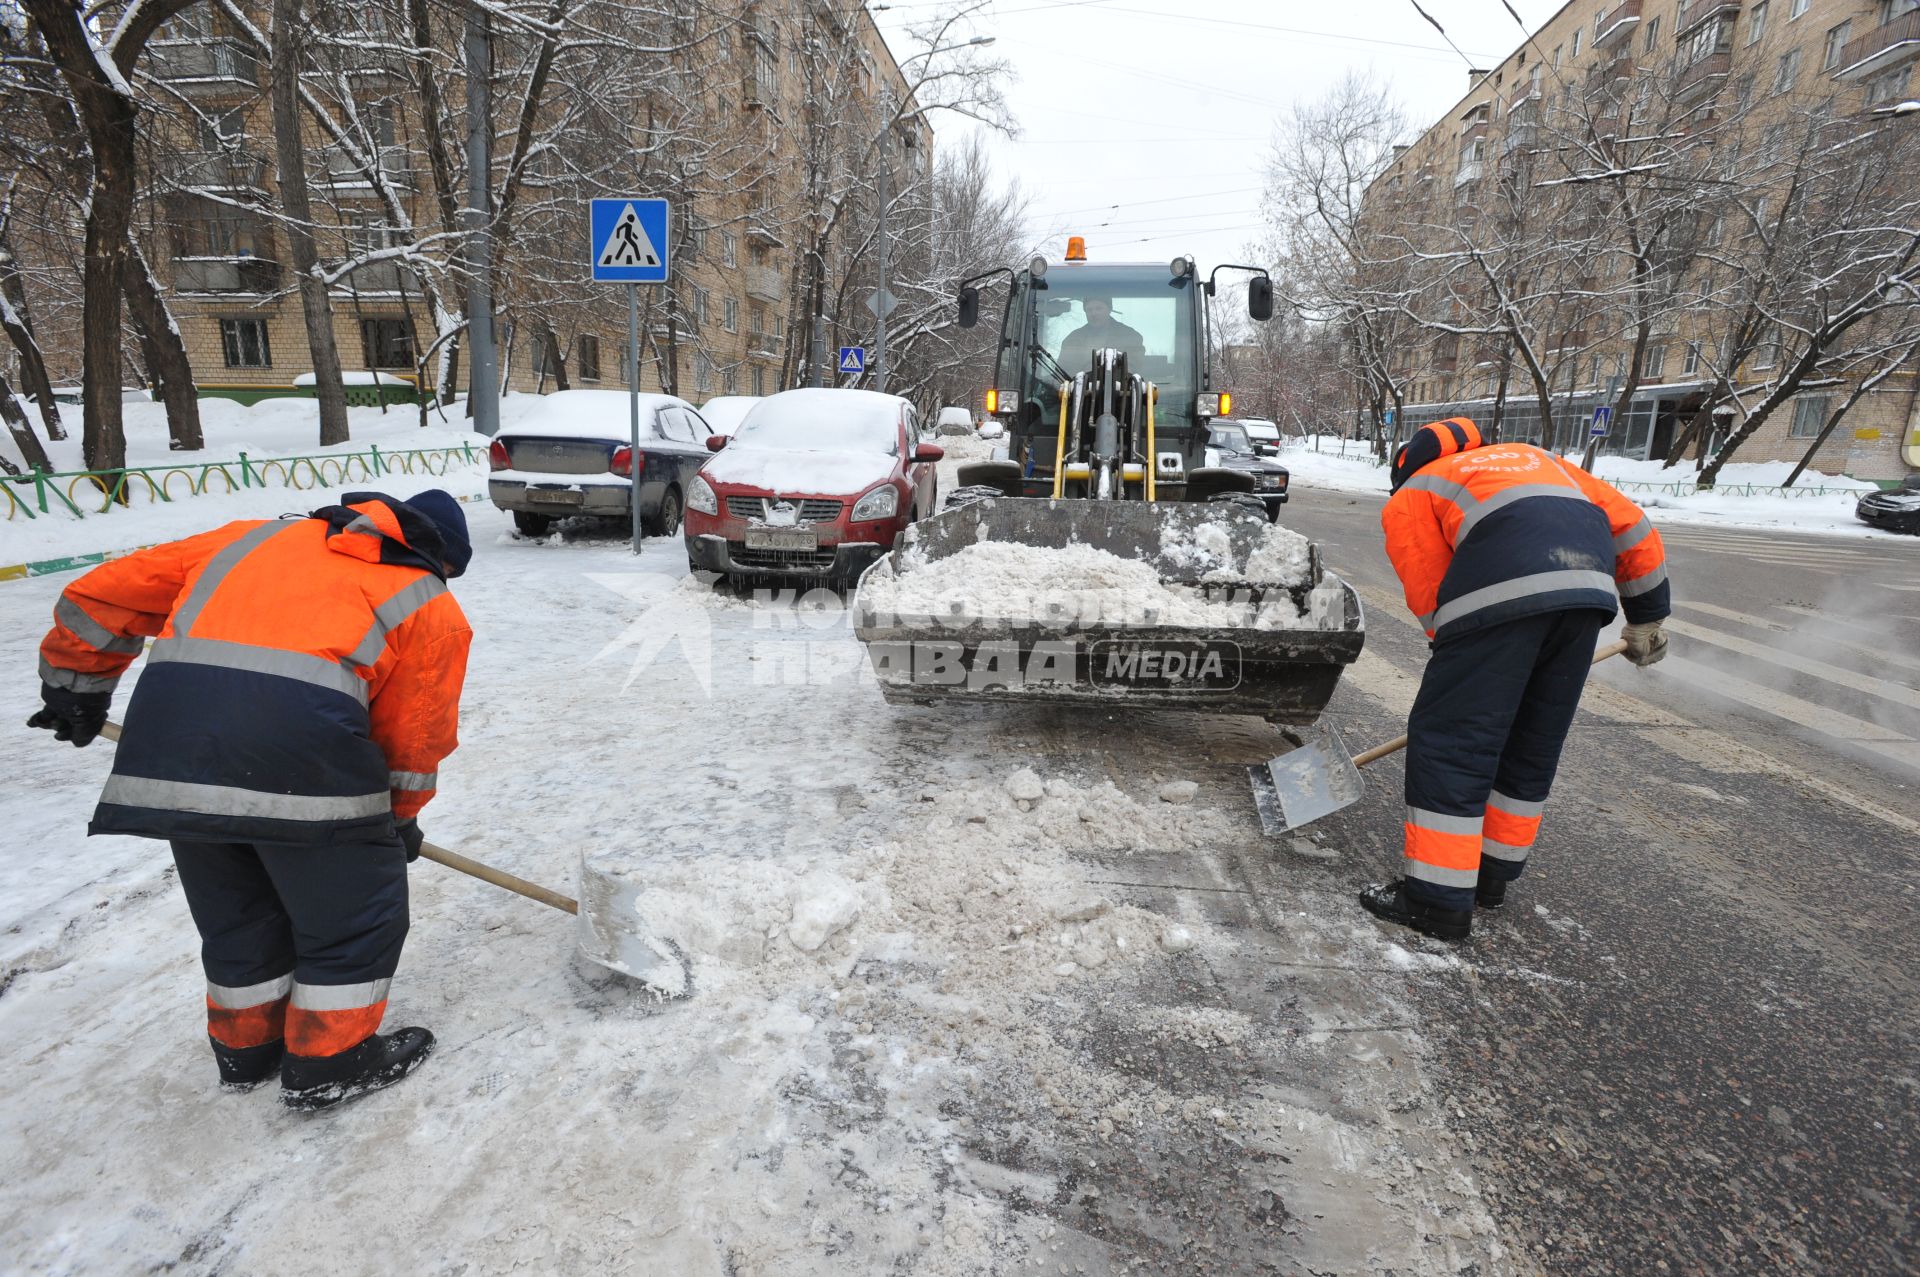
[{"x": 1718, "y": 1070}]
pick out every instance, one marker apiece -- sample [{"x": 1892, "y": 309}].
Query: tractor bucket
[{"x": 1214, "y": 610}]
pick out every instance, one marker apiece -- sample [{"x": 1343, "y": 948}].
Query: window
[
  {"x": 729, "y": 249},
  {"x": 1716, "y": 230},
  {"x": 387, "y": 343},
  {"x": 245, "y": 343},
  {"x": 697, "y": 307},
  {"x": 675, "y": 426},
  {"x": 1743, "y": 92},
  {"x": 1653, "y": 361},
  {"x": 759, "y": 380},
  {"x": 1757, "y": 22},
  {"x": 1787, "y": 71},
  {"x": 588, "y": 357},
  {"x": 696, "y": 241},
  {"x": 1798, "y": 7},
  {"x": 1836, "y": 42},
  {"x": 730, "y": 381},
  {"x": 1887, "y": 85},
  {"x": 1765, "y": 353},
  {"x": 1691, "y": 365},
  {"x": 757, "y": 320},
  {"x": 540, "y": 357},
  {"x": 1653, "y": 33},
  {"x": 1576, "y": 42},
  {"x": 1809, "y": 414},
  {"x": 1556, "y": 55},
  {"x": 731, "y": 321},
  {"x": 703, "y": 374}
]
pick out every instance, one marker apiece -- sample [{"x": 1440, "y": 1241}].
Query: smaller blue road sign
[
  {"x": 629, "y": 241},
  {"x": 1602, "y": 420},
  {"x": 853, "y": 359}
]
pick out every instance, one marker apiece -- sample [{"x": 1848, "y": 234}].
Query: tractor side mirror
[
  {"x": 969, "y": 307},
  {"x": 1260, "y": 298},
  {"x": 716, "y": 442}
]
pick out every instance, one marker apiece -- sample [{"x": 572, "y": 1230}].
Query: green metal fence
[{"x": 83, "y": 492}]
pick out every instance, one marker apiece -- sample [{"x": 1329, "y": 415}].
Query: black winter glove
[
  {"x": 411, "y": 837},
  {"x": 74, "y": 716}
]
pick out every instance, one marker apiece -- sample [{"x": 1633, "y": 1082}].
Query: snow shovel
[
  {"x": 1320, "y": 777},
  {"x": 619, "y": 946}
]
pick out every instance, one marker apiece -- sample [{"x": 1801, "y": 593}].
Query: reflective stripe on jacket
[
  {"x": 1485, "y": 533},
  {"x": 303, "y": 687}
]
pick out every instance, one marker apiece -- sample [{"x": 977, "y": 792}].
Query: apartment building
[
  {"x": 721, "y": 132},
  {"x": 1754, "y": 69}
]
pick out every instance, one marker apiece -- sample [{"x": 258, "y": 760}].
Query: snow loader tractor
[{"x": 1097, "y": 558}]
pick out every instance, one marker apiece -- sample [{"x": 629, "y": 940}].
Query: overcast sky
[{"x": 1166, "y": 110}]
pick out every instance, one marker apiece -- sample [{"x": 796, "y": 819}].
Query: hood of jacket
[{"x": 383, "y": 529}]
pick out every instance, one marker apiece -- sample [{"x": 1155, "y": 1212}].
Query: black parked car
[
  {"x": 1896, "y": 511},
  {"x": 1234, "y": 451}
]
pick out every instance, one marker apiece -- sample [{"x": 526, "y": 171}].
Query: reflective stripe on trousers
[
  {"x": 251, "y": 1016},
  {"x": 1509, "y": 827},
  {"x": 326, "y": 1019},
  {"x": 1442, "y": 849}
]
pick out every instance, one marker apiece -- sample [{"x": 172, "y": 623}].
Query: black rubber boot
[
  {"x": 1390, "y": 902},
  {"x": 1490, "y": 893},
  {"x": 244, "y": 1067},
  {"x": 310, "y": 1082}
]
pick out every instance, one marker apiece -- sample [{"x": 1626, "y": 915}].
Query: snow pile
[{"x": 1077, "y": 586}]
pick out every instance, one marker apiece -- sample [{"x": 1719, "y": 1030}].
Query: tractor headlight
[
  {"x": 700, "y": 497},
  {"x": 878, "y": 504}
]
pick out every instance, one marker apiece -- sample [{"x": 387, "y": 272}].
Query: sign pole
[{"x": 633, "y": 405}]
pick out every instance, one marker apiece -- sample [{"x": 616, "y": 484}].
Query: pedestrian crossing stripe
[{"x": 628, "y": 243}]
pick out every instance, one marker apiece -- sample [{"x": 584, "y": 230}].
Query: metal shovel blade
[{"x": 1304, "y": 784}]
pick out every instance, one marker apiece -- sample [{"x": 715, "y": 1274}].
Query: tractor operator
[
  {"x": 290, "y": 725},
  {"x": 1101, "y": 332},
  {"x": 1511, "y": 557}
]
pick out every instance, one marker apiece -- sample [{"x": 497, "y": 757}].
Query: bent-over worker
[
  {"x": 1511, "y": 557},
  {"x": 302, "y": 692}
]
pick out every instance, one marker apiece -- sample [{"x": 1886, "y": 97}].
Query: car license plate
[
  {"x": 782, "y": 539},
  {"x": 557, "y": 496}
]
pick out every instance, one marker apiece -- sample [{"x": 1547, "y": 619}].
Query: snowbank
[{"x": 1816, "y": 503}]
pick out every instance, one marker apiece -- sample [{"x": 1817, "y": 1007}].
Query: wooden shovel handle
[
  {"x": 454, "y": 860},
  {"x": 1399, "y": 743}
]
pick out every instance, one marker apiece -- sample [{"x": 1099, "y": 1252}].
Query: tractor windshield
[{"x": 1139, "y": 310}]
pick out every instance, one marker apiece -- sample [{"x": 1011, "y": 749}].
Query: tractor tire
[
  {"x": 1245, "y": 500},
  {"x": 967, "y": 496}
]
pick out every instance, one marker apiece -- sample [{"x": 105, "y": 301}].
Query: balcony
[
  {"x": 764, "y": 235},
  {"x": 1692, "y": 15},
  {"x": 344, "y": 171},
  {"x": 1612, "y": 70},
  {"x": 225, "y": 275},
  {"x": 766, "y": 283},
  {"x": 1523, "y": 97},
  {"x": 1518, "y": 136},
  {"x": 1884, "y": 46},
  {"x": 1703, "y": 76},
  {"x": 221, "y": 65},
  {"x": 1474, "y": 132},
  {"x": 378, "y": 277},
  {"x": 763, "y": 345},
  {"x": 1616, "y": 22},
  {"x": 1468, "y": 172},
  {"x": 222, "y": 170}
]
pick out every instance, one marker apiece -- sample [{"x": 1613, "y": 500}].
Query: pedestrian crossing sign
[
  {"x": 853, "y": 359},
  {"x": 629, "y": 240}
]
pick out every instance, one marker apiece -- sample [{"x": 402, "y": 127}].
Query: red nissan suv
[{"x": 814, "y": 483}]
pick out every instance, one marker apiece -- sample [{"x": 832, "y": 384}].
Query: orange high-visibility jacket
[
  {"x": 1481, "y": 533},
  {"x": 304, "y": 686}
]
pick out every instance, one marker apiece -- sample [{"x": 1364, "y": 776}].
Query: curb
[{"x": 74, "y": 562}]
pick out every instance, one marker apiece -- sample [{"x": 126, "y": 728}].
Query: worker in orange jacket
[
  {"x": 301, "y": 692},
  {"x": 1511, "y": 557}
]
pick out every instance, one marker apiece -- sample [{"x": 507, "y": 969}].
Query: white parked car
[
  {"x": 953, "y": 421},
  {"x": 1263, "y": 434},
  {"x": 724, "y": 413}
]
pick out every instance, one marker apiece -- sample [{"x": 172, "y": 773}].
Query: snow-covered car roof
[
  {"x": 578, "y": 414},
  {"x": 829, "y": 406},
  {"x": 725, "y": 412}
]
